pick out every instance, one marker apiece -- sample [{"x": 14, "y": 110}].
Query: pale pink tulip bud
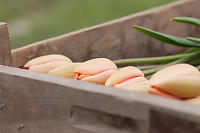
[
  {"x": 46, "y": 63},
  {"x": 194, "y": 101},
  {"x": 95, "y": 70},
  {"x": 157, "y": 92},
  {"x": 65, "y": 70},
  {"x": 143, "y": 85},
  {"x": 180, "y": 81},
  {"x": 130, "y": 78}
]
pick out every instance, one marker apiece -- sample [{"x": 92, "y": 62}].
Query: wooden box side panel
[
  {"x": 117, "y": 39},
  {"x": 38, "y": 103},
  {"x": 5, "y": 54}
]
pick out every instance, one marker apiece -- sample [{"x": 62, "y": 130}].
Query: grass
[{"x": 35, "y": 20}]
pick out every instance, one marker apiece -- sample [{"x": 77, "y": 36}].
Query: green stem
[
  {"x": 192, "y": 50},
  {"x": 185, "y": 59},
  {"x": 197, "y": 40},
  {"x": 149, "y": 60},
  {"x": 147, "y": 67},
  {"x": 195, "y": 62},
  {"x": 148, "y": 77}
]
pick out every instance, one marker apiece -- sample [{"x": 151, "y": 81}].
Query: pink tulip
[
  {"x": 179, "y": 81},
  {"x": 95, "y": 70},
  {"x": 194, "y": 101},
  {"x": 65, "y": 70},
  {"x": 46, "y": 63},
  {"x": 130, "y": 78}
]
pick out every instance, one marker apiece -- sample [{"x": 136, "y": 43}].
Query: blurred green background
[{"x": 34, "y": 20}]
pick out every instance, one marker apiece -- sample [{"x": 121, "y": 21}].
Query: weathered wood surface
[
  {"x": 48, "y": 104},
  {"x": 117, "y": 39},
  {"x": 5, "y": 54},
  {"x": 42, "y": 103}
]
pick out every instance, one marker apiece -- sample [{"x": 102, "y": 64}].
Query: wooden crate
[{"x": 32, "y": 102}]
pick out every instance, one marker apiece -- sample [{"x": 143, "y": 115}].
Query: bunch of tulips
[{"x": 175, "y": 76}]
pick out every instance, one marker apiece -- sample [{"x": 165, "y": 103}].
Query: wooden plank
[
  {"x": 41, "y": 103},
  {"x": 117, "y": 39},
  {"x": 5, "y": 54},
  {"x": 38, "y": 103}
]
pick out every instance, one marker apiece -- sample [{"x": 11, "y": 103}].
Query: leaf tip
[
  {"x": 190, "y": 38},
  {"x": 135, "y": 26}
]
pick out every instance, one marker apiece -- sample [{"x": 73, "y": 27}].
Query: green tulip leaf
[
  {"x": 178, "y": 41},
  {"x": 188, "y": 20},
  {"x": 196, "y": 40}
]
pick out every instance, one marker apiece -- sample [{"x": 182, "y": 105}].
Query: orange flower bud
[
  {"x": 46, "y": 63},
  {"x": 66, "y": 70},
  {"x": 130, "y": 78},
  {"x": 181, "y": 81},
  {"x": 95, "y": 70}
]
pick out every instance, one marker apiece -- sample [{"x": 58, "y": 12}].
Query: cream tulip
[
  {"x": 46, "y": 63},
  {"x": 95, "y": 70},
  {"x": 179, "y": 81},
  {"x": 66, "y": 70},
  {"x": 130, "y": 78},
  {"x": 194, "y": 101}
]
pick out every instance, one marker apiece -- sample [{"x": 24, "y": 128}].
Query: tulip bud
[
  {"x": 141, "y": 86},
  {"x": 46, "y": 63},
  {"x": 65, "y": 70},
  {"x": 180, "y": 81},
  {"x": 95, "y": 70},
  {"x": 194, "y": 101},
  {"x": 130, "y": 78},
  {"x": 157, "y": 92}
]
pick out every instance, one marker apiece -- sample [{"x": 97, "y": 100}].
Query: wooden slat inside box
[
  {"x": 117, "y": 39},
  {"x": 5, "y": 53},
  {"x": 32, "y": 102}
]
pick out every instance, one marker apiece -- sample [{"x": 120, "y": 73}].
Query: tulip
[
  {"x": 65, "y": 70},
  {"x": 130, "y": 78},
  {"x": 95, "y": 70},
  {"x": 178, "y": 81},
  {"x": 194, "y": 101},
  {"x": 141, "y": 86},
  {"x": 46, "y": 63},
  {"x": 157, "y": 92}
]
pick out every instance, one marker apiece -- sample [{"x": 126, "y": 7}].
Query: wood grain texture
[
  {"x": 5, "y": 54},
  {"x": 117, "y": 39},
  {"x": 32, "y": 102},
  {"x": 48, "y": 104}
]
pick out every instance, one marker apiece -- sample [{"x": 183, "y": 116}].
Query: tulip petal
[
  {"x": 142, "y": 86},
  {"x": 139, "y": 88},
  {"x": 131, "y": 81},
  {"x": 80, "y": 77},
  {"x": 124, "y": 74},
  {"x": 65, "y": 71},
  {"x": 99, "y": 78},
  {"x": 45, "y": 68},
  {"x": 46, "y": 59},
  {"x": 194, "y": 101},
  {"x": 183, "y": 87},
  {"x": 160, "y": 93},
  {"x": 95, "y": 66},
  {"x": 178, "y": 70}
]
